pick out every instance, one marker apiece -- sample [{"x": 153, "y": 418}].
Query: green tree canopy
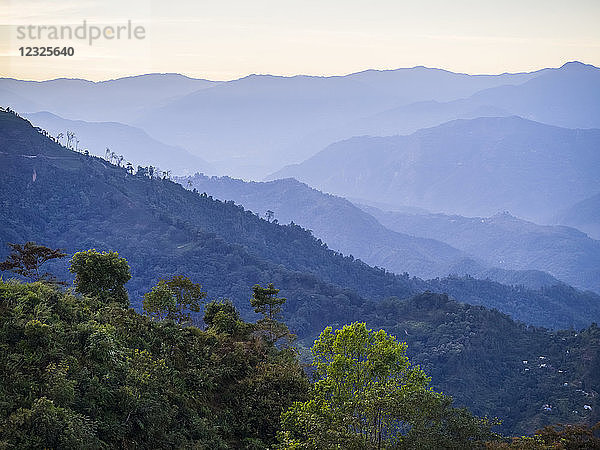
[
  {"x": 101, "y": 275},
  {"x": 76, "y": 374},
  {"x": 559, "y": 436},
  {"x": 45, "y": 425},
  {"x": 223, "y": 317},
  {"x": 368, "y": 395},
  {"x": 174, "y": 299},
  {"x": 265, "y": 302}
]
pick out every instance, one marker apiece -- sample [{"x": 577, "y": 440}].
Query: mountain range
[
  {"x": 65, "y": 199},
  {"x": 457, "y": 245},
  {"x": 284, "y": 120},
  {"x": 474, "y": 167},
  {"x": 507, "y": 242},
  {"x": 62, "y": 198}
]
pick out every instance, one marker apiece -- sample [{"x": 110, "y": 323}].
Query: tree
[
  {"x": 559, "y": 436},
  {"x": 368, "y": 395},
  {"x": 45, "y": 425},
  {"x": 265, "y": 302},
  {"x": 174, "y": 299},
  {"x": 101, "y": 275},
  {"x": 269, "y": 215},
  {"x": 70, "y": 138},
  {"x": 26, "y": 260},
  {"x": 223, "y": 317},
  {"x": 159, "y": 302}
]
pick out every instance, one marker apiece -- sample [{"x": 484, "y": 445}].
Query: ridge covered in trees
[
  {"x": 86, "y": 371},
  {"x": 72, "y": 201}
]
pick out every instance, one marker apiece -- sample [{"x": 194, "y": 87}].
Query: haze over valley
[{"x": 456, "y": 212}]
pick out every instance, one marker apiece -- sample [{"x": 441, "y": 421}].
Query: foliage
[
  {"x": 78, "y": 373},
  {"x": 563, "y": 437},
  {"x": 368, "y": 395},
  {"x": 223, "y": 317},
  {"x": 25, "y": 260},
  {"x": 45, "y": 425},
  {"x": 265, "y": 302},
  {"x": 174, "y": 299},
  {"x": 102, "y": 275}
]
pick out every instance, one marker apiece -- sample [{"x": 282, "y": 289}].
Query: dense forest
[
  {"x": 72, "y": 201},
  {"x": 80, "y": 369},
  {"x": 87, "y": 372}
]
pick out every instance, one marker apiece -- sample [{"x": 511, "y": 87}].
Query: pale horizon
[
  {"x": 228, "y": 40},
  {"x": 333, "y": 75}
]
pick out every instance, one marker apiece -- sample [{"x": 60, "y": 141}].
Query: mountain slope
[
  {"x": 526, "y": 368},
  {"x": 567, "y": 97},
  {"x": 351, "y": 231},
  {"x": 112, "y": 100},
  {"x": 133, "y": 143},
  {"x": 336, "y": 221},
  {"x": 584, "y": 215},
  {"x": 508, "y": 242},
  {"x": 406, "y": 119},
  {"x": 65, "y": 199},
  {"x": 469, "y": 167}
]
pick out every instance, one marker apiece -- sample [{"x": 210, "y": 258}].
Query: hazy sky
[{"x": 228, "y": 39}]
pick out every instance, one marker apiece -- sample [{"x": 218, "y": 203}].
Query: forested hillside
[
  {"x": 78, "y": 372},
  {"x": 351, "y": 231},
  {"x": 73, "y": 201},
  {"x": 64, "y": 199},
  {"x": 343, "y": 226},
  {"x": 508, "y": 242}
]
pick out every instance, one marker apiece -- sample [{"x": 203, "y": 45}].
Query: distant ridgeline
[
  {"x": 65, "y": 199},
  {"x": 503, "y": 248}
]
